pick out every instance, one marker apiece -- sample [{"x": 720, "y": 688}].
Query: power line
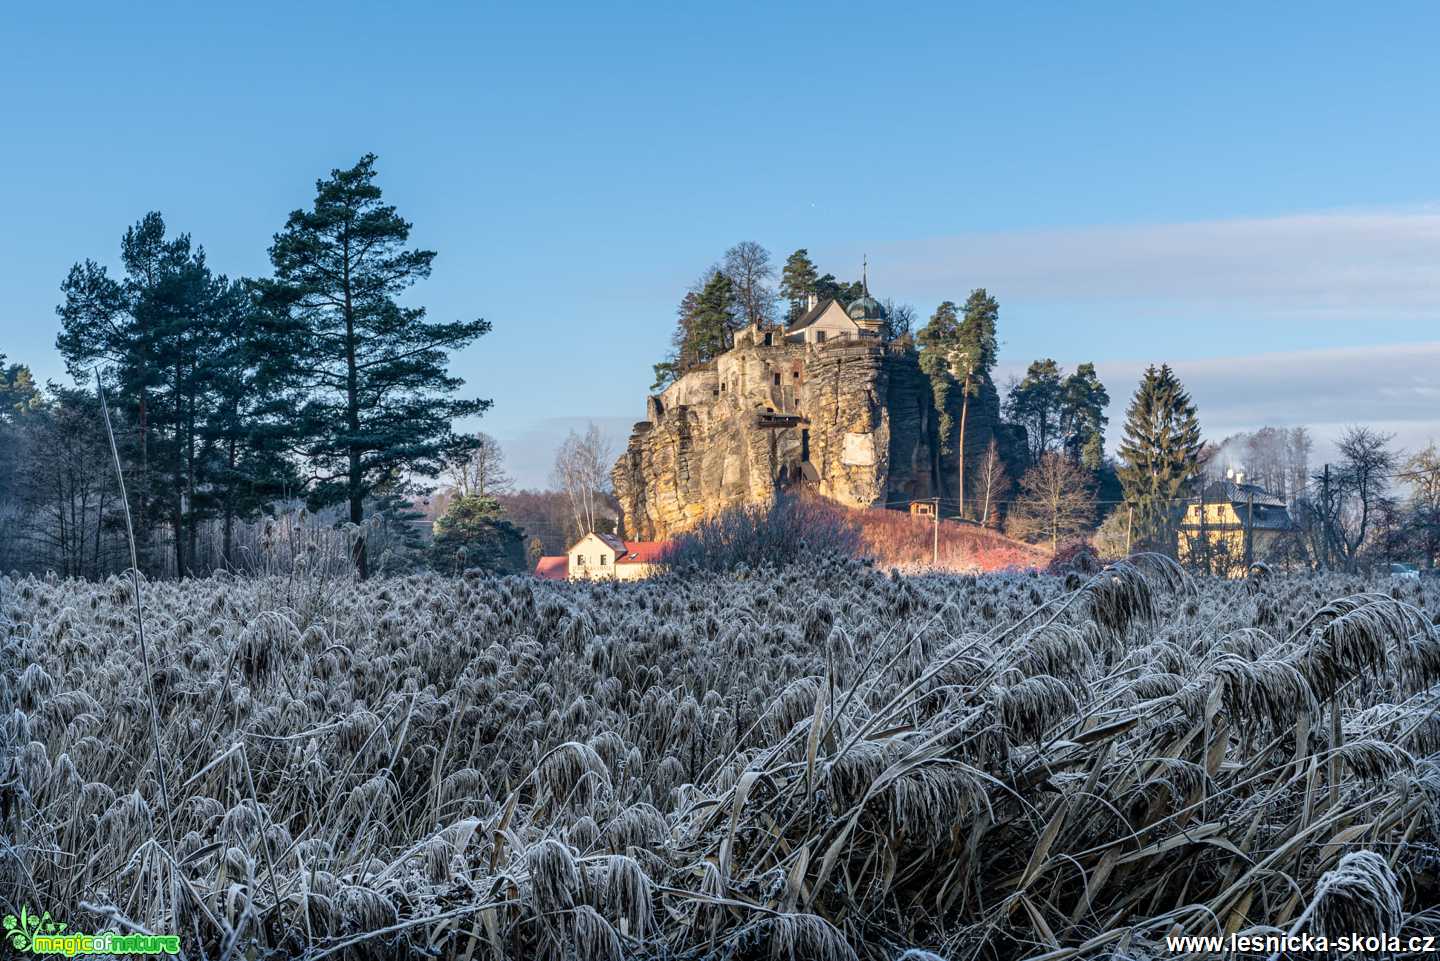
[{"x": 1186, "y": 499}]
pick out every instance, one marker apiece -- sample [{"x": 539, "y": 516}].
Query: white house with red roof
[{"x": 603, "y": 556}]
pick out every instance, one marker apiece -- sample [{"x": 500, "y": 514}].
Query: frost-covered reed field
[{"x": 823, "y": 762}]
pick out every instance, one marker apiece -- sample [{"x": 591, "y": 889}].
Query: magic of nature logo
[{"x": 41, "y": 934}]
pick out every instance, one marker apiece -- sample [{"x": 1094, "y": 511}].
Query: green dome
[{"x": 865, "y": 309}]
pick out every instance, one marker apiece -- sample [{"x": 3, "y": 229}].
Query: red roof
[
  {"x": 643, "y": 552},
  {"x": 555, "y": 568}
]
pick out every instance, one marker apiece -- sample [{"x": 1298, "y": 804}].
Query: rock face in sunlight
[{"x": 849, "y": 419}]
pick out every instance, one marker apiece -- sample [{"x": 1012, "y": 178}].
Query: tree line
[
  {"x": 318, "y": 384},
  {"x": 743, "y": 289}
]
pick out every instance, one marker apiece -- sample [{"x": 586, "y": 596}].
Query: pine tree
[
  {"x": 1160, "y": 454},
  {"x": 157, "y": 331},
  {"x": 1035, "y": 403},
  {"x": 676, "y": 363},
  {"x": 937, "y": 339},
  {"x": 828, "y": 288},
  {"x": 368, "y": 378},
  {"x": 245, "y": 437},
  {"x": 959, "y": 351},
  {"x": 704, "y": 327},
  {"x": 797, "y": 282},
  {"x": 1083, "y": 400},
  {"x": 18, "y": 392},
  {"x": 708, "y": 333},
  {"x": 971, "y": 362},
  {"x": 473, "y": 534}
]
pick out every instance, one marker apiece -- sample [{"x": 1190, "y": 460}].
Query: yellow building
[
  {"x": 1231, "y": 525},
  {"x": 604, "y": 556}
]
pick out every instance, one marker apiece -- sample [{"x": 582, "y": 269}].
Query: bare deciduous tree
[
  {"x": 1297, "y": 458},
  {"x": 993, "y": 481},
  {"x": 1348, "y": 506},
  {"x": 899, "y": 321},
  {"x": 582, "y": 470},
  {"x": 1275, "y": 458},
  {"x": 482, "y": 471},
  {"x": 1055, "y": 502},
  {"x": 1422, "y": 475},
  {"x": 748, "y": 266}
]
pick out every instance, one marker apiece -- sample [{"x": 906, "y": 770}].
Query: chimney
[
  {"x": 811, "y": 299},
  {"x": 1240, "y": 477}
]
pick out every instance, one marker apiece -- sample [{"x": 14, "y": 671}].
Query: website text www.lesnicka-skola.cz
[{"x": 1377, "y": 944}]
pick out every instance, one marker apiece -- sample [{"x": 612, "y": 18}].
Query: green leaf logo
[
  {"x": 18, "y": 930},
  {"x": 21, "y": 931}
]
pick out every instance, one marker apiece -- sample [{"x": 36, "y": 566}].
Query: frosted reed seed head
[
  {"x": 1268, "y": 690},
  {"x": 1361, "y": 894},
  {"x": 1030, "y": 707},
  {"x": 554, "y": 877},
  {"x": 794, "y": 937}
]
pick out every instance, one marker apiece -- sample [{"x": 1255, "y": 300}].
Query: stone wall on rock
[{"x": 850, "y": 419}]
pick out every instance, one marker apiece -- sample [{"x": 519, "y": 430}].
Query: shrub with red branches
[{"x": 900, "y": 540}]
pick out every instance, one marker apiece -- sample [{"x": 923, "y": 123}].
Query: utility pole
[
  {"x": 1129, "y": 522},
  {"x": 1205, "y": 544},
  {"x": 1249, "y": 529},
  {"x": 935, "y": 537},
  {"x": 1325, "y": 514}
]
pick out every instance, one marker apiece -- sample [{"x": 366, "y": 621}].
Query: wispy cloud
[
  {"x": 1344, "y": 263},
  {"x": 1193, "y": 293}
]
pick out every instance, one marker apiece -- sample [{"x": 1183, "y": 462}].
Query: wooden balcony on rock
[{"x": 769, "y": 420}]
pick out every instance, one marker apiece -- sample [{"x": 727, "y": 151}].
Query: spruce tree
[
  {"x": 372, "y": 397},
  {"x": 1159, "y": 456},
  {"x": 797, "y": 282}
]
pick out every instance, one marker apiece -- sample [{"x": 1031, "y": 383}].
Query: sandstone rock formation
[{"x": 853, "y": 420}]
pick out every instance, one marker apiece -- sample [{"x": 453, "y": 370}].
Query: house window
[
  {"x": 795, "y": 375},
  {"x": 769, "y": 339},
  {"x": 602, "y": 560},
  {"x": 579, "y": 560},
  {"x": 777, "y": 380},
  {"x": 819, "y": 336}
]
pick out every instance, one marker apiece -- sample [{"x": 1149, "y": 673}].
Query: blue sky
[{"x": 1134, "y": 182}]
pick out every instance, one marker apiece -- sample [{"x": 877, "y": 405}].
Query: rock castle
[{"x": 823, "y": 404}]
